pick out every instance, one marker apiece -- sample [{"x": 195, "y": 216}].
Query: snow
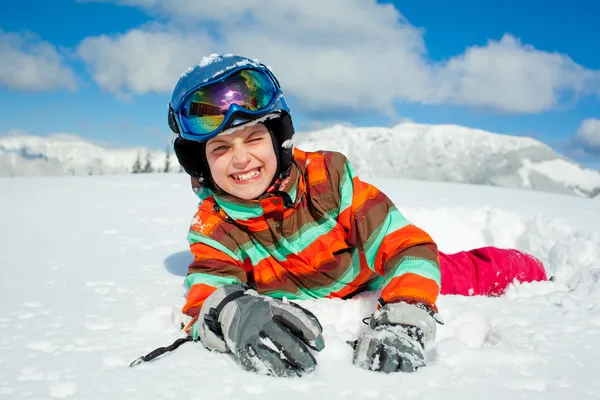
[
  {"x": 567, "y": 172},
  {"x": 92, "y": 269},
  {"x": 59, "y": 154},
  {"x": 453, "y": 153}
]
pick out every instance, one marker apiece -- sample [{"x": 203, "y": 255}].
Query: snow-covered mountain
[
  {"x": 447, "y": 153},
  {"x": 452, "y": 153},
  {"x": 71, "y": 155}
]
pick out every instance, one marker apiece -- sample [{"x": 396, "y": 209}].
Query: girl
[{"x": 275, "y": 223}]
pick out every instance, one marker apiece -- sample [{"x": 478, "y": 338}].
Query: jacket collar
[{"x": 249, "y": 212}]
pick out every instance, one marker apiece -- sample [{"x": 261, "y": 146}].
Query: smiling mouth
[{"x": 247, "y": 176}]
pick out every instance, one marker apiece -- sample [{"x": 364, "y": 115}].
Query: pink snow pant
[{"x": 487, "y": 271}]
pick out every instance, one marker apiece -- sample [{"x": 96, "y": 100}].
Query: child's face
[{"x": 242, "y": 163}]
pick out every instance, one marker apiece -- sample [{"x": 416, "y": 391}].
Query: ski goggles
[{"x": 241, "y": 96}]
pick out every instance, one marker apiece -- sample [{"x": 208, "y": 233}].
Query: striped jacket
[{"x": 325, "y": 234}]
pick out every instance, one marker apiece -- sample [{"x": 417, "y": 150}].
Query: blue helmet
[{"x": 190, "y": 145}]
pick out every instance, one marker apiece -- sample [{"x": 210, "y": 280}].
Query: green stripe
[
  {"x": 209, "y": 279},
  {"x": 294, "y": 244},
  {"x": 348, "y": 276},
  {"x": 346, "y": 188},
  {"x": 255, "y": 252},
  {"x": 203, "y": 194},
  {"x": 309, "y": 233},
  {"x": 323, "y": 291},
  {"x": 415, "y": 265},
  {"x": 242, "y": 212},
  {"x": 279, "y": 294},
  {"x": 196, "y": 237},
  {"x": 294, "y": 191},
  {"x": 394, "y": 221}
]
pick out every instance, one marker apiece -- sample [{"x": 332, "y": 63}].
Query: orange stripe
[
  {"x": 300, "y": 155},
  {"x": 362, "y": 193},
  {"x": 269, "y": 206},
  {"x": 202, "y": 251},
  {"x": 411, "y": 287},
  {"x": 197, "y": 294},
  {"x": 345, "y": 218},
  {"x": 268, "y": 270},
  {"x": 317, "y": 253},
  {"x": 206, "y": 223},
  {"x": 322, "y": 246},
  {"x": 317, "y": 173},
  {"x": 407, "y": 236}
]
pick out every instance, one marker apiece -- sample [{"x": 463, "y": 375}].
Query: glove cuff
[{"x": 208, "y": 326}]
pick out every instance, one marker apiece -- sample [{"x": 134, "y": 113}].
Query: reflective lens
[{"x": 205, "y": 109}]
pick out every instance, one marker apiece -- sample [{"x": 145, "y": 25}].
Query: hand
[
  {"x": 396, "y": 339},
  {"x": 265, "y": 335}
]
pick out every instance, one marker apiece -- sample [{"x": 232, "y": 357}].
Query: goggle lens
[{"x": 205, "y": 110}]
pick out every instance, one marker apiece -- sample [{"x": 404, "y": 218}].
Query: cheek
[
  {"x": 218, "y": 166},
  {"x": 267, "y": 155}
]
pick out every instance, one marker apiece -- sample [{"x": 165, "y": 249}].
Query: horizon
[{"x": 108, "y": 75}]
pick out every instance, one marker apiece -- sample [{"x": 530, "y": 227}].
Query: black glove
[
  {"x": 396, "y": 339},
  {"x": 265, "y": 335}
]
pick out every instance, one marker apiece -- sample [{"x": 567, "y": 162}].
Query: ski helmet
[{"x": 224, "y": 92}]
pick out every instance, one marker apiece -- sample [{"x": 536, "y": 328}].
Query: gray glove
[
  {"x": 265, "y": 335},
  {"x": 396, "y": 339}
]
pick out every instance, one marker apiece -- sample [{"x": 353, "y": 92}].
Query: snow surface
[{"x": 92, "y": 269}]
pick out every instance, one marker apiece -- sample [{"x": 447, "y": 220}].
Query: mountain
[
  {"x": 447, "y": 153},
  {"x": 70, "y": 155},
  {"x": 454, "y": 153}
]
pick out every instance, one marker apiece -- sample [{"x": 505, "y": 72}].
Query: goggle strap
[{"x": 173, "y": 121}]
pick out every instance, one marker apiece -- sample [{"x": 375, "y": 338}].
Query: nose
[{"x": 240, "y": 156}]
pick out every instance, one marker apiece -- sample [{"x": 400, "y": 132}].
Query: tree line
[{"x": 147, "y": 167}]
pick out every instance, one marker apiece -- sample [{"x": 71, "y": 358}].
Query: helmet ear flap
[
  {"x": 192, "y": 157},
  {"x": 172, "y": 121}
]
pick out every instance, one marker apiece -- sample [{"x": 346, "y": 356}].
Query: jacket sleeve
[
  {"x": 214, "y": 265},
  {"x": 405, "y": 256}
]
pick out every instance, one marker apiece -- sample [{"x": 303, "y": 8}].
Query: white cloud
[
  {"x": 510, "y": 76},
  {"x": 141, "y": 61},
  {"x": 31, "y": 64},
  {"x": 588, "y": 135},
  {"x": 337, "y": 53}
]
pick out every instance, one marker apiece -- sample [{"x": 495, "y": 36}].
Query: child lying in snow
[{"x": 275, "y": 221}]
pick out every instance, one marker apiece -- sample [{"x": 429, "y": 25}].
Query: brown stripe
[
  {"x": 218, "y": 268},
  {"x": 370, "y": 217},
  {"x": 426, "y": 251}
]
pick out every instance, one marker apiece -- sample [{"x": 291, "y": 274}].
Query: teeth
[{"x": 243, "y": 177}]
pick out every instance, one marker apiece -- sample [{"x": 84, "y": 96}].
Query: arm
[
  {"x": 215, "y": 265},
  {"x": 407, "y": 259},
  {"x": 405, "y": 255},
  {"x": 229, "y": 316}
]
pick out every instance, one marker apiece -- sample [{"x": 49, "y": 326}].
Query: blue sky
[{"x": 103, "y": 70}]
